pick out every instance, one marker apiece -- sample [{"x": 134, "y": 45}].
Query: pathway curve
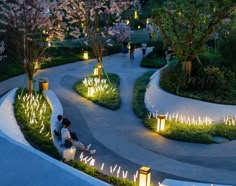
[{"x": 120, "y": 137}]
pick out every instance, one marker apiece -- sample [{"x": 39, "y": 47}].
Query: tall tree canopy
[
  {"x": 28, "y": 23},
  {"x": 186, "y": 25},
  {"x": 93, "y": 20}
]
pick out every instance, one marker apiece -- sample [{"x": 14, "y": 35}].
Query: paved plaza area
[{"x": 119, "y": 136}]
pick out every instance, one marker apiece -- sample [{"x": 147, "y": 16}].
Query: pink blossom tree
[
  {"x": 3, "y": 24},
  {"x": 93, "y": 20},
  {"x": 122, "y": 31},
  {"x": 31, "y": 20}
]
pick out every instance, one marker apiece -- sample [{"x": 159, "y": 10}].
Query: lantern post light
[
  {"x": 144, "y": 176},
  {"x": 99, "y": 70},
  {"x": 95, "y": 70},
  {"x": 161, "y": 119},
  {"x": 135, "y": 14},
  {"x": 90, "y": 90},
  {"x": 148, "y": 21},
  {"x": 86, "y": 56}
]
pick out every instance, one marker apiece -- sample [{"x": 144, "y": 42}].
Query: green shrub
[
  {"x": 10, "y": 67},
  {"x": 153, "y": 62},
  {"x": 111, "y": 100},
  {"x": 159, "y": 48},
  {"x": 227, "y": 47},
  {"x": 210, "y": 83},
  {"x": 211, "y": 58}
]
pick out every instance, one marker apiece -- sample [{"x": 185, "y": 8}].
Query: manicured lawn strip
[
  {"x": 111, "y": 101},
  {"x": 175, "y": 130},
  {"x": 45, "y": 144}
]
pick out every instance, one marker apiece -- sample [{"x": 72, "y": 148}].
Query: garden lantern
[
  {"x": 90, "y": 90},
  {"x": 86, "y": 56},
  {"x": 161, "y": 119},
  {"x": 148, "y": 21},
  {"x": 95, "y": 70},
  {"x": 144, "y": 176},
  {"x": 99, "y": 70},
  {"x": 135, "y": 14}
]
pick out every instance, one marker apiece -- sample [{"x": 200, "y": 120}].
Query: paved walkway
[{"x": 121, "y": 139}]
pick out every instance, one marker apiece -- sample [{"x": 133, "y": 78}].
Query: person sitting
[
  {"x": 65, "y": 137},
  {"x": 58, "y": 125}
]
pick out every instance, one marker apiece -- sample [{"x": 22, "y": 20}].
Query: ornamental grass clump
[
  {"x": 105, "y": 93},
  {"x": 33, "y": 113},
  {"x": 100, "y": 87}
]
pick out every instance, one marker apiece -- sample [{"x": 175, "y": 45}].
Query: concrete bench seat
[{"x": 66, "y": 153}]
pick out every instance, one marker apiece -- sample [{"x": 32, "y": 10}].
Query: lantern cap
[
  {"x": 144, "y": 170},
  {"x": 161, "y": 116}
]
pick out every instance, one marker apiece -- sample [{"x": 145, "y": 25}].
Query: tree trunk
[
  {"x": 30, "y": 86},
  {"x": 188, "y": 67},
  {"x": 99, "y": 71}
]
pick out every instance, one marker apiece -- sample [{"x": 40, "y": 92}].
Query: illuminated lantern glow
[
  {"x": 86, "y": 56},
  {"x": 95, "y": 71},
  {"x": 144, "y": 176},
  {"x": 135, "y": 14},
  {"x": 161, "y": 119},
  {"x": 90, "y": 90}
]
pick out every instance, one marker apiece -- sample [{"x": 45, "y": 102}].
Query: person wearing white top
[{"x": 65, "y": 135}]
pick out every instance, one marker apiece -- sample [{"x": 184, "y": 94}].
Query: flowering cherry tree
[
  {"x": 3, "y": 24},
  {"x": 94, "y": 20},
  {"x": 31, "y": 20},
  {"x": 122, "y": 31}
]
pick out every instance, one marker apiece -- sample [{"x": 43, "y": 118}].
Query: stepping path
[{"x": 121, "y": 139}]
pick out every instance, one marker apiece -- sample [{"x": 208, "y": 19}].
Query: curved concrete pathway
[{"x": 121, "y": 139}]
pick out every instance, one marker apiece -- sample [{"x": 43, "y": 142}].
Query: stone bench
[{"x": 66, "y": 153}]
